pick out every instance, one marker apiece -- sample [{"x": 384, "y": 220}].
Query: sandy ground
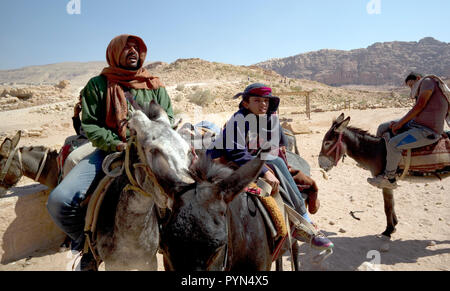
[{"x": 422, "y": 240}]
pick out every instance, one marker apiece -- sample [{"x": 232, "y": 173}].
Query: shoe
[
  {"x": 317, "y": 241},
  {"x": 313, "y": 203},
  {"x": 88, "y": 262},
  {"x": 77, "y": 245},
  {"x": 382, "y": 182}
]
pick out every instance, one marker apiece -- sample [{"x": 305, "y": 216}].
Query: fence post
[{"x": 308, "y": 106}]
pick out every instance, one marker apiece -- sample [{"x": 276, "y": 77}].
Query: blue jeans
[
  {"x": 413, "y": 136},
  {"x": 299, "y": 200},
  {"x": 64, "y": 202}
]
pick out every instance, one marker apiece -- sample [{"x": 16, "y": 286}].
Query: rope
[
  {"x": 44, "y": 160},
  {"x": 407, "y": 164}
]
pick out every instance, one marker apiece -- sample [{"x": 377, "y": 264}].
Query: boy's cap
[
  {"x": 256, "y": 90},
  {"x": 260, "y": 90}
]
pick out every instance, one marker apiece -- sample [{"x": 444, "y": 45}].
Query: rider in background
[
  {"x": 239, "y": 143},
  {"x": 421, "y": 126},
  {"x": 105, "y": 111}
]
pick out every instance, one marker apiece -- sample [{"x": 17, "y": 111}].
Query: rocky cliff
[{"x": 380, "y": 64}]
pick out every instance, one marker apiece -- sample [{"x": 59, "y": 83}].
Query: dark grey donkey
[
  {"x": 213, "y": 225},
  {"x": 368, "y": 150}
]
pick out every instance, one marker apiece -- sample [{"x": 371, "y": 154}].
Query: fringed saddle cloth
[
  {"x": 272, "y": 207},
  {"x": 427, "y": 159}
]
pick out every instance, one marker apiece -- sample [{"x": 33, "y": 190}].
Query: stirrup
[{"x": 322, "y": 256}]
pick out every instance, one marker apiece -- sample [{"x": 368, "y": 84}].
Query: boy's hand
[{"x": 273, "y": 181}]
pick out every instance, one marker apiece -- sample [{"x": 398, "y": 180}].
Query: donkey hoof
[{"x": 384, "y": 236}]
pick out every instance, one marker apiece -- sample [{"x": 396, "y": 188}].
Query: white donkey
[{"x": 127, "y": 229}]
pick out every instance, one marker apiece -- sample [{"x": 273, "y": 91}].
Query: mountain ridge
[{"x": 382, "y": 63}]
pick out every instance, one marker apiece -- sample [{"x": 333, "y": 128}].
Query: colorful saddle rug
[{"x": 428, "y": 159}]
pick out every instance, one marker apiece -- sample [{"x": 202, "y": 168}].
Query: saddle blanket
[{"x": 429, "y": 158}]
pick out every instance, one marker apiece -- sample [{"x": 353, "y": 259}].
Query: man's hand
[
  {"x": 77, "y": 109},
  {"x": 121, "y": 147},
  {"x": 273, "y": 181},
  {"x": 304, "y": 183},
  {"x": 395, "y": 127}
]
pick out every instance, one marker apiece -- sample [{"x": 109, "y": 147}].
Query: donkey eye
[{"x": 327, "y": 143}]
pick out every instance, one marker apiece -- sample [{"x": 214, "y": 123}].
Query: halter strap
[
  {"x": 338, "y": 147},
  {"x": 41, "y": 167}
]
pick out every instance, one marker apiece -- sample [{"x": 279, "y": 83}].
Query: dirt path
[{"x": 422, "y": 240}]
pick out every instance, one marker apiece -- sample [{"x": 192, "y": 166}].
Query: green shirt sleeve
[
  {"x": 164, "y": 101},
  {"x": 93, "y": 117}
]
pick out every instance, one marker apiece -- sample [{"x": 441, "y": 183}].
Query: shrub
[{"x": 201, "y": 98}]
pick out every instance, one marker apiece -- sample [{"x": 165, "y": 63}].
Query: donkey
[
  {"x": 36, "y": 162},
  {"x": 212, "y": 226},
  {"x": 127, "y": 227},
  {"x": 368, "y": 150}
]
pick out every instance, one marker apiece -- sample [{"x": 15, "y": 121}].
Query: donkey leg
[
  {"x": 391, "y": 217},
  {"x": 279, "y": 264},
  {"x": 295, "y": 252}
]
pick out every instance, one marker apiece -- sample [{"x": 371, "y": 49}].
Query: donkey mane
[
  {"x": 39, "y": 148},
  {"x": 363, "y": 134},
  {"x": 206, "y": 170},
  {"x": 360, "y": 131}
]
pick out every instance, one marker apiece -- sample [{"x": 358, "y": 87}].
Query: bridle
[
  {"x": 9, "y": 162},
  {"x": 338, "y": 147},
  {"x": 8, "y": 165}
]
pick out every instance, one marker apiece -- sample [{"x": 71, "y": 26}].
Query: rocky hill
[
  {"x": 78, "y": 74},
  {"x": 193, "y": 84},
  {"x": 380, "y": 64}
]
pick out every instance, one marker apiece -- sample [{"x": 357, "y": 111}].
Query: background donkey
[
  {"x": 37, "y": 163},
  {"x": 368, "y": 150}
]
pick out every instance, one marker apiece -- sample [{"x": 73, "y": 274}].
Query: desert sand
[{"x": 422, "y": 240}]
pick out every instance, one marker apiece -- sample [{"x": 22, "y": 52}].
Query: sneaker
[
  {"x": 318, "y": 241},
  {"x": 382, "y": 182},
  {"x": 321, "y": 242}
]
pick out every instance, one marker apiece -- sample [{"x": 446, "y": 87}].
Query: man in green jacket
[{"x": 105, "y": 111}]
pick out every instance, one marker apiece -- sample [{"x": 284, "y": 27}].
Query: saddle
[
  {"x": 277, "y": 216},
  {"x": 271, "y": 206},
  {"x": 427, "y": 159}
]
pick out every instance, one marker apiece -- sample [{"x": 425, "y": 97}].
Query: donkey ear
[
  {"x": 6, "y": 147},
  {"x": 340, "y": 127},
  {"x": 166, "y": 177},
  {"x": 236, "y": 182},
  {"x": 155, "y": 112},
  {"x": 177, "y": 123},
  {"x": 16, "y": 139},
  {"x": 339, "y": 119}
]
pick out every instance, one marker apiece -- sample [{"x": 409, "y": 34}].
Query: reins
[{"x": 134, "y": 185}]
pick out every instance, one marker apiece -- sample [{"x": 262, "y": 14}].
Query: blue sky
[{"x": 239, "y": 32}]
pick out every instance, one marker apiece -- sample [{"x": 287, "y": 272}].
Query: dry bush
[{"x": 201, "y": 98}]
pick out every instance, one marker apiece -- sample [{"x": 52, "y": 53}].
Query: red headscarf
[{"x": 116, "y": 104}]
